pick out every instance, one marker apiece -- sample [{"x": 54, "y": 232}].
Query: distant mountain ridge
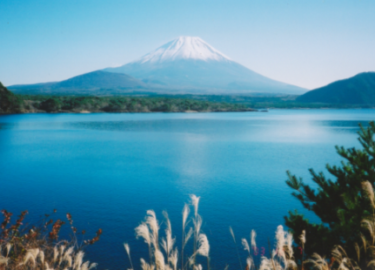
[
  {"x": 182, "y": 66},
  {"x": 85, "y": 83},
  {"x": 189, "y": 63},
  {"x": 359, "y": 90}
]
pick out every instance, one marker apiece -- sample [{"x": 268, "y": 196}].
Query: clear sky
[{"x": 308, "y": 43}]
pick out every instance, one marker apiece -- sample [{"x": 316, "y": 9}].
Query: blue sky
[{"x": 308, "y": 43}]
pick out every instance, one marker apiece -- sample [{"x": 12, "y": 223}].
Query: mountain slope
[
  {"x": 186, "y": 65},
  {"x": 189, "y": 63},
  {"x": 85, "y": 83},
  {"x": 9, "y": 103},
  {"x": 359, "y": 89}
]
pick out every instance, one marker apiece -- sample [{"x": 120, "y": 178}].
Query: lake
[{"x": 107, "y": 170}]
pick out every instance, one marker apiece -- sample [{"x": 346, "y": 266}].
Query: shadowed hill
[
  {"x": 9, "y": 103},
  {"x": 359, "y": 89}
]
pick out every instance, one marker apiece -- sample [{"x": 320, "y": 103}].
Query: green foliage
[
  {"x": 9, "y": 103},
  {"x": 51, "y": 105},
  {"x": 341, "y": 204},
  {"x": 128, "y": 104}
]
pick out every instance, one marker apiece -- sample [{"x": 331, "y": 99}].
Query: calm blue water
[{"x": 108, "y": 169}]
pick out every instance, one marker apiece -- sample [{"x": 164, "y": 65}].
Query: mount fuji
[
  {"x": 186, "y": 65},
  {"x": 189, "y": 64}
]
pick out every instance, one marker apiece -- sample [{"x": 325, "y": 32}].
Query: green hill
[
  {"x": 9, "y": 103},
  {"x": 358, "y": 90}
]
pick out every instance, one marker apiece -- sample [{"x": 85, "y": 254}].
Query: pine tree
[{"x": 341, "y": 204}]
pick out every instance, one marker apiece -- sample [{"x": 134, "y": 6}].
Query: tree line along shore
[{"x": 11, "y": 103}]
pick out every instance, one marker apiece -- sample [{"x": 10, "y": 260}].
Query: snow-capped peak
[{"x": 184, "y": 48}]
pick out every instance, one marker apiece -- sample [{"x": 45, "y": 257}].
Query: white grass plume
[
  {"x": 68, "y": 259},
  {"x": 168, "y": 242},
  {"x": 302, "y": 237},
  {"x": 289, "y": 243},
  {"x": 265, "y": 264},
  {"x": 159, "y": 260},
  {"x": 197, "y": 224},
  {"x": 195, "y": 203},
  {"x": 41, "y": 256},
  {"x": 188, "y": 236},
  {"x": 232, "y": 233},
  {"x": 253, "y": 242},
  {"x": 31, "y": 255},
  {"x": 62, "y": 249},
  {"x": 280, "y": 242},
  {"x": 68, "y": 252},
  {"x": 55, "y": 254},
  {"x": 78, "y": 260},
  {"x": 197, "y": 267},
  {"x": 143, "y": 231},
  {"x": 203, "y": 245},
  {"x": 93, "y": 265},
  {"x": 245, "y": 245},
  {"x": 4, "y": 260},
  {"x": 369, "y": 191},
  {"x": 146, "y": 266},
  {"x": 152, "y": 222},
  {"x": 167, "y": 221},
  {"x": 173, "y": 258},
  {"x": 47, "y": 267},
  {"x": 249, "y": 263},
  {"x": 127, "y": 248},
  {"x": 85, "y": 266},
  {"x": 8, "y": 248},
  {"x": 185, "y": 214}
]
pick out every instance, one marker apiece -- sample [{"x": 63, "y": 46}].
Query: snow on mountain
[
  {"x": 189, "y": 64},
  {"x": 184, "y": 48}
]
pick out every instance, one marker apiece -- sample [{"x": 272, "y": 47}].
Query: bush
[
  {"x": 39, "y": 247},
  {"x": 51, "y": 105}
]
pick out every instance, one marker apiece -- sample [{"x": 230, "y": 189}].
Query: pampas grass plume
[
  {"x": 280, "y": 241},
  {"x": 8, "y": 248},
  {"x": 203, "y": 245},
  {"x": 185, "y": 214},
  {"x": 369, "y": 191},
  {"x": 41, "y": 256},
  {"x": 143, "y": 231},
  {"x": 173, "y": 259},
  {"x": 85, "y": 266},
  {"x": 265, "y": 264},
  {"x": 4, "y": 260},
  {"x": 195, "y": 203},
  {"x": 55, "y": 254},
  {"x": 232, "y": 233},
  {"x": 249, "y": 263},
  {"x": 253, "y": 236},
  {"x": 127, "y": 248},
  {"x": 159, "y": 260},
  {"x": 146, "y": 266},
  {"x": 93, "y": 265},
  {"x": 47, "y": 267},
  {"x": 78, "y": 260},
  {"x": 302, "y": 237},
  {"x": 152, "y": 221},
  {"x": 245, "y": 244}
]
